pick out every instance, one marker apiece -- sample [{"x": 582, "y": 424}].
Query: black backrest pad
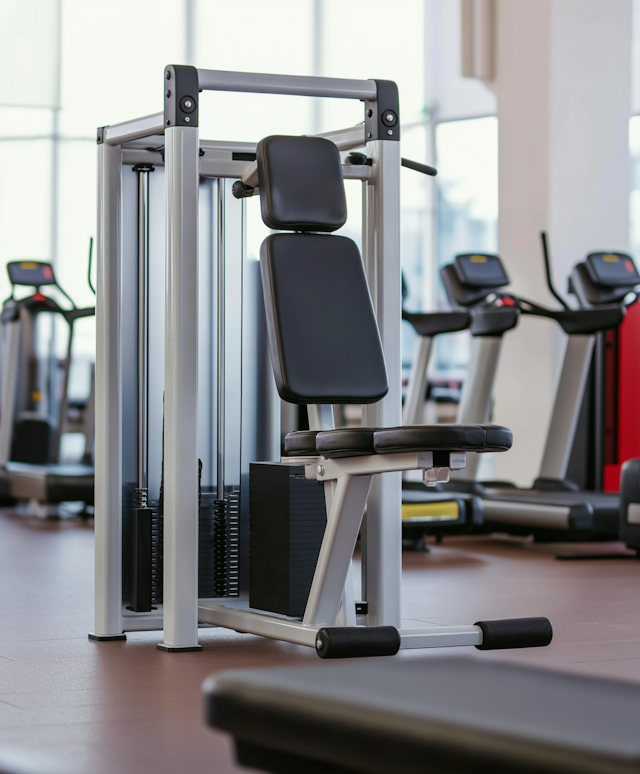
[
  {"x": 300, "y": 180},
  {"x": 323, "y": 336}
]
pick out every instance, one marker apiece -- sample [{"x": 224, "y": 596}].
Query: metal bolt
[
  {"x": 319, "y": 644},
  {"x": 188, "y": 103},
  {"x": 368, "y": 134},
  {"x": 186, "y": 118},
  {"x": 168, "y": 122},
  {"x": 389, "y": 131},
  {"x": 390, "y": 117},
  {"x": 168, "y": 75},
  {"x": 320, "y": 470},
  {"x": 167, "y": 94}
]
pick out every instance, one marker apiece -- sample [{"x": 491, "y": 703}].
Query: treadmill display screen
[
  {"x": 478, "y": 270},
  {"x": 612, "y": 270},
  {"x": 32, "y": 273}
]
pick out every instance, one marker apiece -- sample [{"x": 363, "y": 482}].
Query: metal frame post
[
  {"x": 566, "y": 408},
  {"x": 108, "y": 443},
  {"x": 382, "y": 551},
  {"x": 181, "y": 388},
  {"x": 413, "y": 412},
  {"x": 9, "y": 390},
  {"x": 477, "y": 392}
]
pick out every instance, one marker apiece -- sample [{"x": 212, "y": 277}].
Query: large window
[
  {"x": 76, "y": 66},
  {"x": 467, "y": 159}
]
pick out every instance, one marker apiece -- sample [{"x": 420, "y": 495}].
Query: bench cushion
[
  {"x": 363, "y": 441},
  {"x": 301, "y": 443},
  {"x": 346, "y": 442},
  {"x": 439, "y": 715},
  {"x": 452, "y": 438}
]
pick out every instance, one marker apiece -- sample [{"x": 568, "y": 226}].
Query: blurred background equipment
[{"x": 37, "y": 411}]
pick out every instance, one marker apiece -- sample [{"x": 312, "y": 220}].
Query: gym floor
[{"x": 69, "y": 705}]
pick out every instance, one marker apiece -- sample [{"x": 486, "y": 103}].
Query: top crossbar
[
  {"x": 253, "y": 83},
  {"x": 293, "y": 85}
]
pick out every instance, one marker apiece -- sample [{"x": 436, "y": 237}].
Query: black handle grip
[
  {"x": 417, "y": 167},
  {"x": 357, "y": 641}
]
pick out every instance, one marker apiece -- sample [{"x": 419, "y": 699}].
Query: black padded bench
[{"x": 437, "y": 715}]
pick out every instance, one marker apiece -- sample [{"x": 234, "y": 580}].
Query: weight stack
[
  {"x": 287, "y": 520},
  {"x": 218, "y": 546},
  {"x": 128, "y": 543}
]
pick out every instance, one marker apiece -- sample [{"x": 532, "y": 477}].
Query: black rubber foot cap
[
  {"x": 515, "y": 633},
  {"x": 107, "y": 637},
  {"x": 357, "y": 641},
  {"x": 171, "y": 649}
]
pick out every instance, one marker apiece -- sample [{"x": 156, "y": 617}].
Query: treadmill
[
  {"x": 427, "y": 511},
  {"x": 555, "y": 508},
  {"x": 35, "y": 410}
]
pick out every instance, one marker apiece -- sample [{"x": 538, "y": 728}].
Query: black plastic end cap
[
  {"x": 382, "y": 116},
  {"x": 357, "y": 641},
  {"x": 515, "y": 633},
  {"x": 241, "y": 191},
  {"x": 181, "y": 91}
]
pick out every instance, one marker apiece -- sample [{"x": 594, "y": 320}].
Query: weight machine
[{"x": 185, "y": 406}]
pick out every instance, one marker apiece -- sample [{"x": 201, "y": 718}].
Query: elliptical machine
[{"x": 35, "y": 410}]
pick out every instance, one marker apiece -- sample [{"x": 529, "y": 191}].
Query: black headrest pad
[{"x": 301, "y": 187}]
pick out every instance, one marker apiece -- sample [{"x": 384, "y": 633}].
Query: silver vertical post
[
  {"x": 221, "y": 350},
  {"x": 477, "y": 391},
  {"x": 566, "y": 408},
  {"x": 413, "y": 413},
  {"x": 181, "y": 386},
  {"x": 9, "y": 390},
  {"x": 108, "y": 443},
  {"x": 383, "y": 544},
  {"x": 143, "y": 171}
]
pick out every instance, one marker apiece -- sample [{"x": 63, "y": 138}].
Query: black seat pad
[
  {"x": 346, "y": 442},
  {"x": 362, "y": 441},
  {"x": 452, "y": 438},
  {"x": 498, "y": 438},
  {"x": 301, "y": 443}
]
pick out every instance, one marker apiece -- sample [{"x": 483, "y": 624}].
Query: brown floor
[{"x": 71, "y": 705}]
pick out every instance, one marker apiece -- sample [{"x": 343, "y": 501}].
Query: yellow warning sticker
[
  {"x": 611, "y": 258},
  {"x": 478, "y": 259},
  {"x": 28, "y": 265}
]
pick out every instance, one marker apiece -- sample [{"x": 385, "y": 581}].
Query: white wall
[{"x": 563, "y": 88}]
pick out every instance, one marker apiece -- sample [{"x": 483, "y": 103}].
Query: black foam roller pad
[
  {"x": 515, "y": 633},
  {"x": 357, "y": 641}
]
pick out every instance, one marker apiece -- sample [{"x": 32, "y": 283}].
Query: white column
[
  {"x": 563, "y": 87},
  {"x": 108, "y": 397},
  {"x": 181, "y": 392}
]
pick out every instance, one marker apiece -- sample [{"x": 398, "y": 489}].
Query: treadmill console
[
  {"x": 472, "y": 277},
  {"x": 479, "y": 270},
  {"x": 31, "y": 273},
  {"x": 612, "y": 270},
  {"x": 604, "y": 278}
]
